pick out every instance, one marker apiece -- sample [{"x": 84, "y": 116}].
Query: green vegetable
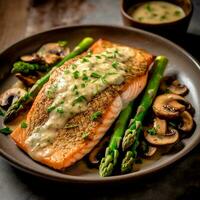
[
  {"x": 1, "y": 112},
  {"x": 96, "y": 115},
  {"x": 24, "y": 124},
  {"x": 148, "y": 7},
  {"x": 95, "y": 75},
  {"x": 151, "y": 131},
  {"x": 115, "y": 64},
  {"x": 132, "y": 135},
  {"x": 30, "y": 95},
  {"x": 76, "y": 74},
  {"x": 85, "y": 135},
  {"x": 79, "y": 99},
  {"x": 62, "y": 43},
  {"x": 5, "y": 130},
  {"x": 28, "y": 68},
  {"x": 51, "y": 108},
  {"x": 60, "y": 110},
  {"x": 112, "y": 151}
]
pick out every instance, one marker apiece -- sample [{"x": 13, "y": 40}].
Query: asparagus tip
[
  {"x": 128, "y": 140},
  {"x": 127, "y": 162}
]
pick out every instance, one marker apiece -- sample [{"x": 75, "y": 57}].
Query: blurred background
[{"x": 25, "y": 17}]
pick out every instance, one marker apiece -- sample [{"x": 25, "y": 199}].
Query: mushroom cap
[
  {"x": 162, "y": 139},
  {"x": 187, "y": 122},
  {"x": 167, "y": 105}
]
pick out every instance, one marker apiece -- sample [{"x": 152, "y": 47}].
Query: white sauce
[
  {"x": 156, "y": 12},
  {"x": 75, "y": 87}
]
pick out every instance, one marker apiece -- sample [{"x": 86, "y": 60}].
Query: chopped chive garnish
[
  {"x": 66, "y": 71},
  {"x": 95, "y": 75},
  {"x": 140, "y": 18},
  {"x": 115, "y": 64},
  {"x": 76, "y": 74},
  {"x": 85, "y": 77},
  {"x": 60, "y": 110},
  {"x": 51, "y": 91},
  {"x": 50, "y": 108},
  {"x": 151, "y": 131},
  {"x": 74, "y": 66},
  {"x": 79, "y": 99},
  {"x": 98, "y": 57},
  {"x": 103, "y": 79},
  {"x": 85, "y": 135},
  {"x": 148, "y": 7},
  {"x": 62, "y": 43},
  {"x": 177, "y": 13},
  {"x": 85, "y": 60},
  {"x": 96, "y": 115},
  {"x": 163, "y": 17},
  {"x": 24, "y": 124},
  {"x": 6, "y": 130},
  {"x": 74, "y": 88},
  {"x": 83, "y": 85}
]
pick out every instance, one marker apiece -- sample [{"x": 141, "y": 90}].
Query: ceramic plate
[{"x": 180, "y": 62}]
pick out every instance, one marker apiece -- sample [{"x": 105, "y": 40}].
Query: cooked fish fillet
[{"x": 72, "y": 142}]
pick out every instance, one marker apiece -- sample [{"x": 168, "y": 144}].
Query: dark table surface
[{"x": 24, "y": 17}]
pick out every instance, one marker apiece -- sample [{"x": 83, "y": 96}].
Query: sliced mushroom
[
  {"x": 10, "y": 96},
  {"x": 52, "y": 52},
  {"x": 170, "y": 137},
  {"x": 151, "y": 151},
  {"x": 167, "y": 105},
  {"x": 48, "y": 53},
  {"x": 187, "y": 122},
  {"x": 177, "y": 88},
  {"x": 27, "y": 80},
  {"x": 160, "y": 126},
  {"x": 31, "y": 58}
]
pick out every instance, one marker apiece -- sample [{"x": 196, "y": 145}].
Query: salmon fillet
[{"x": 69, "y": 145}]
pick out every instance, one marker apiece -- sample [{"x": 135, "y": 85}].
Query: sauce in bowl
[{"x": 156, "y": 12}]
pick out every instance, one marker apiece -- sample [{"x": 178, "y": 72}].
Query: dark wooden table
[{"x": 24, "y": 17}]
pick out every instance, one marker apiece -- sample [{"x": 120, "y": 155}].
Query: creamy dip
[
  {"x": 156, "y": 12},
  {"x": 76, "y": 86}
]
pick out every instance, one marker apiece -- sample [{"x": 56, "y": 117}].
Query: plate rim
[{"x": 78, "y": 179}]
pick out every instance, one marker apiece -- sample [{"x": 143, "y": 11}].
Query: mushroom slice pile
[
  {"x": 169, "y": 106},
  {"x": 49, "y": 53}
]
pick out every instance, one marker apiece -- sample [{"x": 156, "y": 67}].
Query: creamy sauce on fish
[
  {"x": 75, "y": 87},
  {"x": 156, "y": 12}
]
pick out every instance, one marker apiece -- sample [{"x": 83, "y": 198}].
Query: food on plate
[
  {"x": 81, "y": 100},
  {"x": 91, "y": 104},
  {"x": 156, "y": 12},
  {"x": 32, "y": 93}
]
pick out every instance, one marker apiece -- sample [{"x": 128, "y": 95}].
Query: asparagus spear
[
  {"x": 30, "y": 95},
  {"x": 132, "y": 135},
  {"x": 112, "y": 151},
  {"x": 27, "y": 68}
]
